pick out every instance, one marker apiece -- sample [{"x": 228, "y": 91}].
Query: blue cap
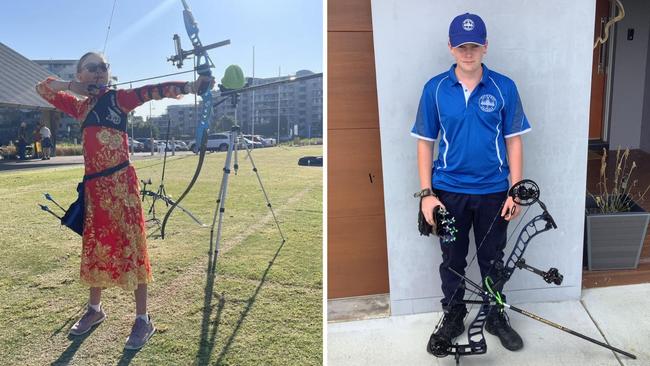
[{"x": 467, "y": 28}]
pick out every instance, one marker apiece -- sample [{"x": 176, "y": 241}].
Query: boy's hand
[
  {"x": 428, "y": 204},
  {"x": 510, "y": 209}
]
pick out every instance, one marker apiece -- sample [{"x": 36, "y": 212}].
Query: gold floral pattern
[{"x": 114, "y": 234}]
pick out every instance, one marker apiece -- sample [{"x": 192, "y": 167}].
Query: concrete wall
[
  {"x": 629, "y": 77},
  {"x": 546, "y": 48}
]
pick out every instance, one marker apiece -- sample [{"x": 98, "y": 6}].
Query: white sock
[
  {"x": 97, "y": 307},
  {"x": 144, "y": 317}
]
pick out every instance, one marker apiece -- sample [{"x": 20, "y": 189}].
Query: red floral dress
[{"x": 114, "y": 236}]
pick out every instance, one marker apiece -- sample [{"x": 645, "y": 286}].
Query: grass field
[{"x": 263, "y": 306}]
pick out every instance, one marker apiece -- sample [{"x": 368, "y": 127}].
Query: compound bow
[{"x": 524, "y": 193}]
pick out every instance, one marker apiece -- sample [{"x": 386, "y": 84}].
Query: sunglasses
[{"x": 94, "y": 67}]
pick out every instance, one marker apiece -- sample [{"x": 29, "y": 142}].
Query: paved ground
[
  {"x": 60, "y": 161},
  {"x": 618, "y": 315}
]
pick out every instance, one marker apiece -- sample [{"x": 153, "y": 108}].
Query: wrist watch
[{"x": 424, "y": 193}]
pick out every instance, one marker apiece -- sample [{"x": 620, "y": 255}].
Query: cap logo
[
  {"x": 468, "y": 24},
  {"x": 487, "y": 103}
]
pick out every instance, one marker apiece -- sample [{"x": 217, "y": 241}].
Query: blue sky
[{"x": 287, "y": 34}]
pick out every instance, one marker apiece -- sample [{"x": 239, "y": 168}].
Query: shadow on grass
[
  {"x": 68, "y": 353},
  {"x": 207, "y": 343},
  {"x": 208, "y": 336},
  {"x": 127, "y": 357},
  {"x": 249, "y": 305},
  {"x": 68, "y": 322}
]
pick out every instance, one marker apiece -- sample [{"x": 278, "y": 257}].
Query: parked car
[
  {"x": 169, "y": 145},
  {"x": 268, "y": 141},
  {"x": 265, "y": 142},
  {"x": 146, "y": 143},
  {"x": 251, "y": 144},
  {"x": 181, "y": 146},
  {"x": 163, "y": 144},
  {"x": 216, "y": 142},
  {"x": 137, "y": 145}
]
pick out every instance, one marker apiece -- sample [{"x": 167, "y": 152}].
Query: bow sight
[{"x": 203, "y": 60}]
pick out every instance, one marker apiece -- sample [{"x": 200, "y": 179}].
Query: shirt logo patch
[
  {"x": 113, "y": 116},
  {"x": 468, "y": 24},
  {"x": 487, "y": 103}
]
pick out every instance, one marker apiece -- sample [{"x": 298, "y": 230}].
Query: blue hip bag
[{"x": 74, "y": 216}]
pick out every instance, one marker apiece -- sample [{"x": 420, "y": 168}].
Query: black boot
[
  {"x": 452, "y": 326},
  {"x": 497, "y": 324}
]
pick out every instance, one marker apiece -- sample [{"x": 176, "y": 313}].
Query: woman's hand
[
  {"x": 510, "y": 209},
  {"x": 428, "y": 204},
  {"x": 202, "y": 84}
]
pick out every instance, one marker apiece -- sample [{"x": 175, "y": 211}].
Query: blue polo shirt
[{"x": 472, "y": 154}]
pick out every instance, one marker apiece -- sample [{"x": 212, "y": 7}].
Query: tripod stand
[
  {"x": 161, "y": 193},
  {"x": 220, "y": 209}
]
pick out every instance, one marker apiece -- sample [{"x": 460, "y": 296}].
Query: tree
[
  {"x": 224, "y": 123},
  {"x": 144, "y": 129}
]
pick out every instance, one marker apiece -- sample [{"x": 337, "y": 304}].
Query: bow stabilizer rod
[
  {"x": 553, "y": 275},
  {"x": 565, "y": 329},
  {"x": 492, "y": 296}
]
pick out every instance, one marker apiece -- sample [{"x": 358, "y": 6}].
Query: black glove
[
  {"x": 443, "y": 224},
  {"x": 423, "y": 226}
]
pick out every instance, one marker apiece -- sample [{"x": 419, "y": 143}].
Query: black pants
[
  {"x": 22, "y": 148},
  {"x": 478, "y": 211}
]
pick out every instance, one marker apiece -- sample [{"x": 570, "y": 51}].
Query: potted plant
[{"x": 615, "y": 224}]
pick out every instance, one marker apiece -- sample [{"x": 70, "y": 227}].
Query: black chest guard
[{"x": 106, "y": 113}]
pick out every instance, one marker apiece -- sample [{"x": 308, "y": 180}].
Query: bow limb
[
  {"x": 204, "y": 140},
  {"x": 526, "y": 235}
]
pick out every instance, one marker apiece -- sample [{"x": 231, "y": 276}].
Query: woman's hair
[{"x": 85, "y": 56}]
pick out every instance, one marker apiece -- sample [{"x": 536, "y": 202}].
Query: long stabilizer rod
[
  {"x": 540, "y": 319},
  {"x": 572, "y": 332}
]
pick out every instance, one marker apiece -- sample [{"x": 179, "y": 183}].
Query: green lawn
[{"x": 264, "y": 306}]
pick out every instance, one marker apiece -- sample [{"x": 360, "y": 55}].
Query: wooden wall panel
[
  {"x": 357, "y": 255},
  {"x": 357, "y": 263},
  {"x": 349, "y": 15},
  {"x": 352, "y": 85},
  {"x": 354, "y": 183}
]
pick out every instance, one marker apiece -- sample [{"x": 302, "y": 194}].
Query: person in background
[
  {"x": 22, "y": 140},
  {"x": 46, "y": 136},
  {"x": 36, "y": 136}
]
